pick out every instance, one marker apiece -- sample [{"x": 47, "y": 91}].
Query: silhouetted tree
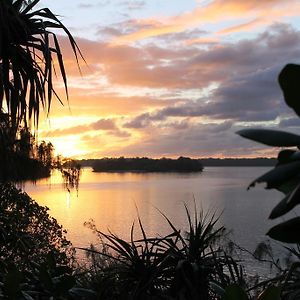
[
  {"x": 28, "y": 47},
  {"x": 26, "y": 143}
]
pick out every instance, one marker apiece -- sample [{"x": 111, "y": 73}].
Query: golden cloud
[{"x": 216, "y": 12}]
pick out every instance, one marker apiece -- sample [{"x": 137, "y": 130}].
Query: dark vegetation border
[
  {"x": 145, "y": 164},
  {"x": 182, "y": 164}
]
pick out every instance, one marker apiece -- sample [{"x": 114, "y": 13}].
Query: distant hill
[{"x": 182, "y": 164}]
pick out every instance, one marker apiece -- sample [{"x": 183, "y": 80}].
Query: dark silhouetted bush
[{"x": 27, "y": 232}]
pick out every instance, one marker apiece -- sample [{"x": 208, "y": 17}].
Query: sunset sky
[{"x": 173, "y": 77}]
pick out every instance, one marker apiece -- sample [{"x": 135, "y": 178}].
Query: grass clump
[{"x": 187, "y": 264}]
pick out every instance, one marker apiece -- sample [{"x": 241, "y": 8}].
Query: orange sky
[{"x": 172, "y": 79}]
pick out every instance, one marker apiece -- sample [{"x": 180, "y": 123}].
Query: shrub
[
  {"x": 27, "y": 232},
  {"x": 36, "y": 259}
]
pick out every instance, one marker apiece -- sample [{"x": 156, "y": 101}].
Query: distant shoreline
[
  {"x": 238, "y": 162},
  {"x": 165, "y": 165},
  {"x": 146, "y": 165},
  {"x": 145, "y": 172}
]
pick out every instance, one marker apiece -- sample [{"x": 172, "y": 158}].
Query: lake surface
[{"x": 113, "y": 201}]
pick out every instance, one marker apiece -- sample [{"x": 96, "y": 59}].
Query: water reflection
[{"x": 110, "y": 199}]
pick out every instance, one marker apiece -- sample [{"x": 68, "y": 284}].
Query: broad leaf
[
  {"x": 270, "y": 137},
  {"x": 288, "y": 186},
  {"x": 287, "y": 155},
  {"x": 270, "y": 293},
  {"x": 279, "y": 175},
  {"x": 286, "y": 204},
  {"x": 295, "y": 156},
  {"x": 217, "y": 289},
  {"x": 235, "y": 292},
  {"x": 12, "y": 282},
  {"x": 287, "y": 232},
  {"x": 81, "y": 293},
  {"x": 63, "y": 283},
  {"x": 45, "y": 278},
  {"x": 289, "y": 81}
]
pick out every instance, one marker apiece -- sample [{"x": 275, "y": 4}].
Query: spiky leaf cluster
[{"x": 29, "y": 46}]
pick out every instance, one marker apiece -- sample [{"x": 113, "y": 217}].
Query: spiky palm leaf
[{"x": 28, "y": 47}]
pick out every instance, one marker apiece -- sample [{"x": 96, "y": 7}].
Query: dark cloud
[
  {"x": 189, "y": 67},
  {"x": 249, "y": 90},
  {"x": 138, "y": 122},
  {"x": 182, "y": 37},
  {"x": 179, "y": 125},
  {"x": 250, "y": 97},
  {"x": 198, "y": 140}
]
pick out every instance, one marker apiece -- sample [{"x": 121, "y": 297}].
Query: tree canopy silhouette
[{"x": 28, "y": 50}]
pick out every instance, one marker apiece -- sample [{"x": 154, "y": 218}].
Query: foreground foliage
[
  {"x": 35, "y": 257},
  {"x": 183, "y": 265},
  {"x": 28, "y": 233},
  {"x": 285, "y": 177},
  {"x": 37, "y": 262},
  {"x": 180, "y": 265}
]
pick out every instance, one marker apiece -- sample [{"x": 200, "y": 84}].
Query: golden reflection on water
[{"x": 113, "y": 201}]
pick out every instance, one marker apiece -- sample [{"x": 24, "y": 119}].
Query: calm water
[{"x": 113, "y": 201}]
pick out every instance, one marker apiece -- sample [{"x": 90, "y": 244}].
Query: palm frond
[{"x": 28, "y": 47}]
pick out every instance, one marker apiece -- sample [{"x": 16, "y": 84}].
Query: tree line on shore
[
  {"x": 21, "y": 156},
  {"x": 144, "y": 164},
  {"x": 181, "y": 164}
]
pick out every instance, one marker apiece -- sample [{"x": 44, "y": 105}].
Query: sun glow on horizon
[
  {"x": 175, "y": 81},
  {"x": 67, "y": 146}
]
